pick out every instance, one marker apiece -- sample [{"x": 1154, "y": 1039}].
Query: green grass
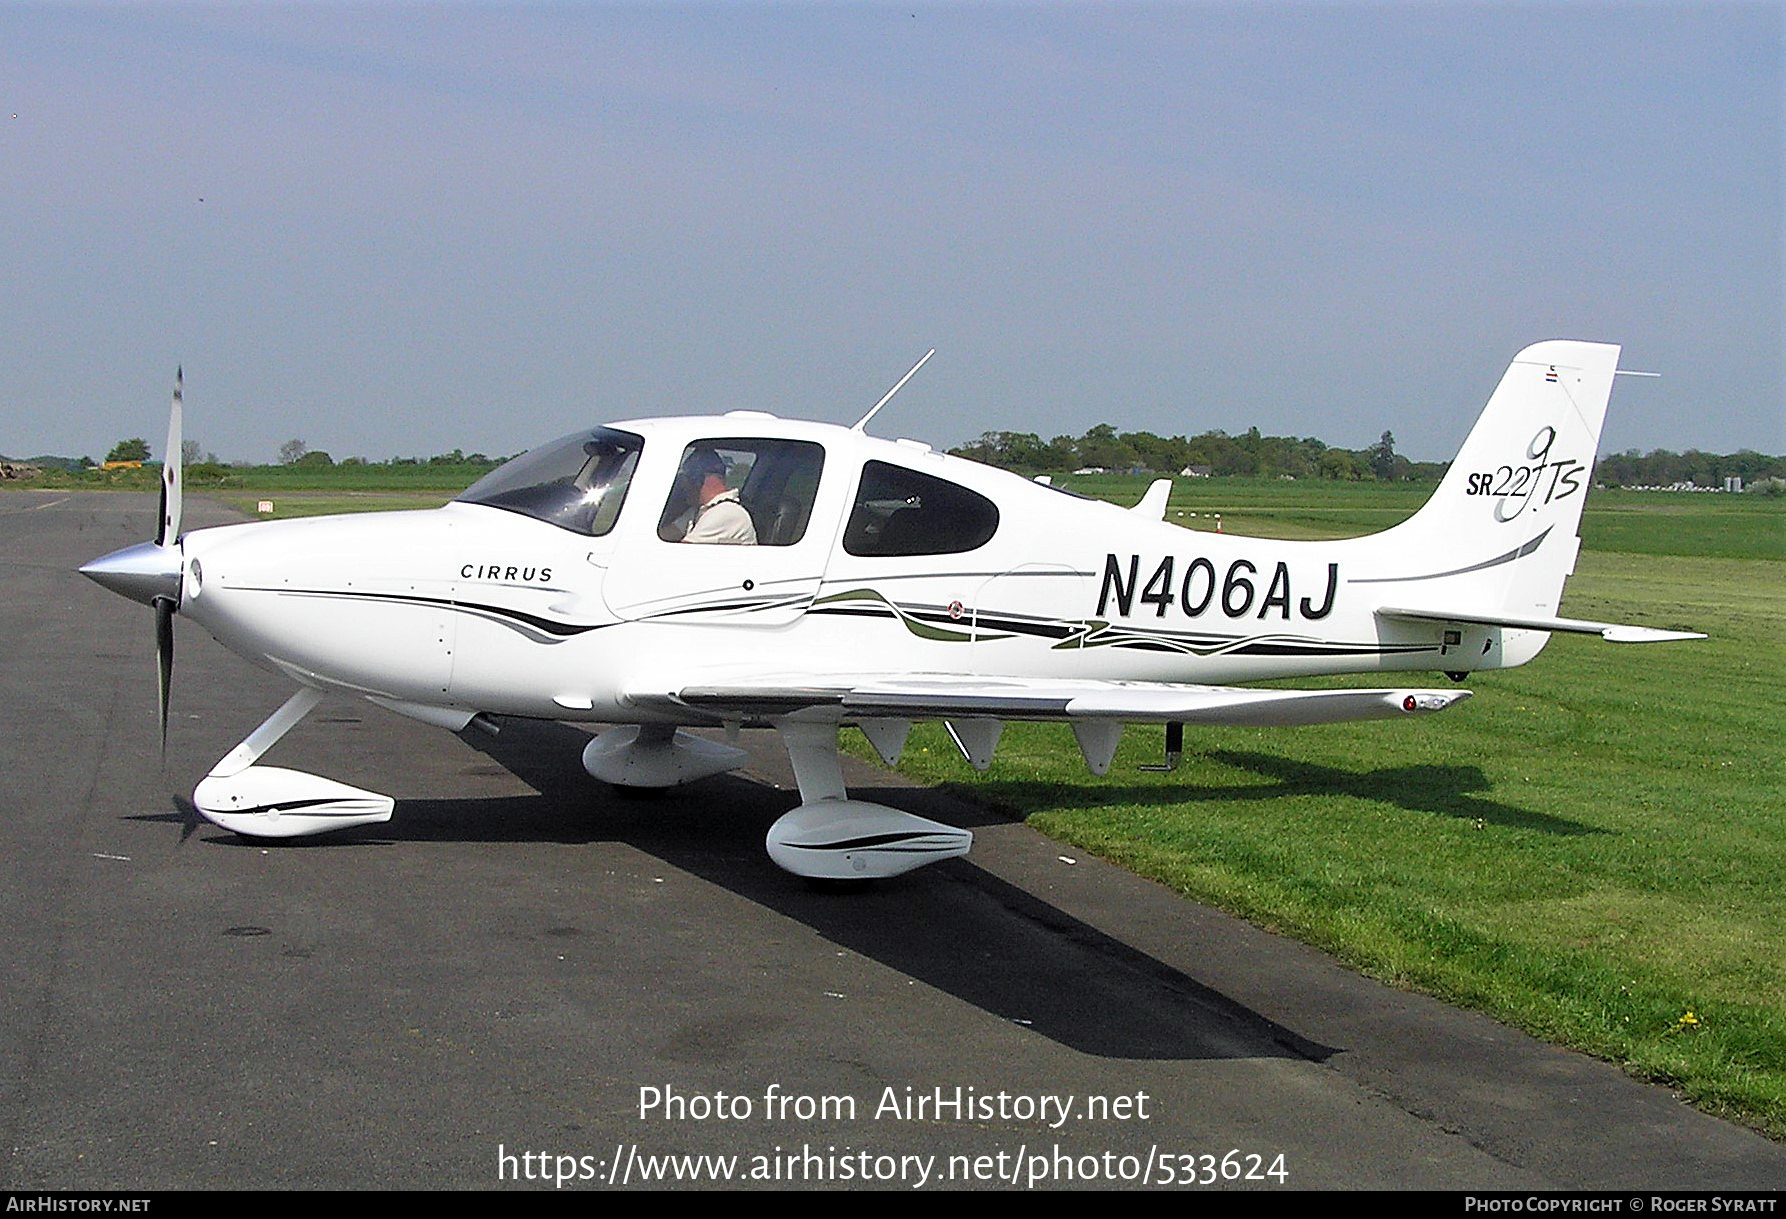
[
  {"x": 1589, "y": 849},
  {"x": 290, "y": 503},
  {"x": 1750, "y": 526},
  {"x": 422, "y": 478},
  {"x": 1268, "y": 507},
  {"x": 1659, "y": 523},
  {"x": 447, "y": 478}
]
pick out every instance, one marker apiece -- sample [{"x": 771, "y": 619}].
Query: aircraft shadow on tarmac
[
  {"x": 1444, "y": 791},
  {"x": 952, "y": 926}
]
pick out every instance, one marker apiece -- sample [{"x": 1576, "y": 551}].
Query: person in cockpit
[{"x": 717, "y": 517}]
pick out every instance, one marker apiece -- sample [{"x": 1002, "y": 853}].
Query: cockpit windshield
[{"x": 577, "y": 483}]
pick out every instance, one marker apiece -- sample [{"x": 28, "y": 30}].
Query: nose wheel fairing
[{"x": 272, "y": 802}]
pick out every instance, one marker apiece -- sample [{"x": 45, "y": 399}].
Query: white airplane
[{"x": 868, "y": 582}]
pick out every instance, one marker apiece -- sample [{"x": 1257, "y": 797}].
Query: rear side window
[{"x": 902, "y": 512}]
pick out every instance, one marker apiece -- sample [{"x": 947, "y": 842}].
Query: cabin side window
[
  {"x": 743, "y": 491},
  {"x": 902, "y": 512}
]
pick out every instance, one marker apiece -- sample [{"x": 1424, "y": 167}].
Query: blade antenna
[{"x": 862, "y": 423}]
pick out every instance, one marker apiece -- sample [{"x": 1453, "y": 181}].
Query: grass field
[
  {"x": 1590, "y": 849},
  {"x": 287, "y": 503}
]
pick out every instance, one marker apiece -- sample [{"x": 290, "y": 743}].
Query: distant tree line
[
  {"x": 202, "y": 467},
  {"x": 1217, "y": 453},
  {"x": 1258, "y": 456},
  {"x": 1661, "y": 468},
  {"x": 300, "y": 455}
]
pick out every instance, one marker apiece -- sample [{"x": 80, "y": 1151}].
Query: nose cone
[{"x": 143, "y": 572}]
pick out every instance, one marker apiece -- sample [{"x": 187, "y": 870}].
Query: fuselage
[{"x": 872, "y": 556}]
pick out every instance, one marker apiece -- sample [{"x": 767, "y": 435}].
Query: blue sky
[{"x": 403, "y": 228}]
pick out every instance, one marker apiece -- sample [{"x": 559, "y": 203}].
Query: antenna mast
[{"x": 862, "y": 423}]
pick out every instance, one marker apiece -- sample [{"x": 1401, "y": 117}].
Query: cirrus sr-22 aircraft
[{"x": 856, "y": 580}]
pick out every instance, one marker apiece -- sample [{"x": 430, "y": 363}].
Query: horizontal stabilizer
[{"x": 1613, "y": 632}]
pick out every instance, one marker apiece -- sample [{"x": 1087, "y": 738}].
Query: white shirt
[{"x": 722, "y": 520}]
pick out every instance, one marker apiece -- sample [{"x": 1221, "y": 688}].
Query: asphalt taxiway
[{"x": 517, "y": 958}]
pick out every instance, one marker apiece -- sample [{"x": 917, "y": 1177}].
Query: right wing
[
  {"x": 949, "y": 696},
  {"x": 974, "y": 708}
]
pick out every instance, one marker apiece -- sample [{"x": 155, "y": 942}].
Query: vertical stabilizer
[{"x": 1500, "y": 534}]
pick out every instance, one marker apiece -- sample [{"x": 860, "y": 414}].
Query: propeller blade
[
  {"x": 168, "y": 530},
  {"x": 164, "y": 659}
]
